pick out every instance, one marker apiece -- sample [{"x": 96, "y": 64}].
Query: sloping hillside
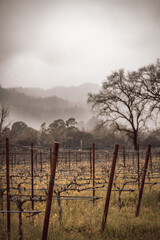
[
  {"x": 35, "y": 110},
  {"x": 76, "y": 94}
]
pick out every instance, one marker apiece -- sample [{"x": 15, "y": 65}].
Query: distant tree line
[
  {"x": 70, "y": 137},
  {"x": 127, "y": 108}
]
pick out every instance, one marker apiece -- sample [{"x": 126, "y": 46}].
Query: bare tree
[
  {"x": 149, "y": 80},
  {"x": 119, "y": 102},
  {"x": 4, "y": 112}
]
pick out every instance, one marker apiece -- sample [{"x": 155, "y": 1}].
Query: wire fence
[{"x": 25, "y": 176}]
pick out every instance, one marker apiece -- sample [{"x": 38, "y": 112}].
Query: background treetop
[{"x": 122, "y": 100}]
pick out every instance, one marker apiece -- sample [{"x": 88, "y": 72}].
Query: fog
[{"x": 63, "y": 43}]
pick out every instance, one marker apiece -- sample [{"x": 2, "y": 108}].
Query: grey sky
[{"x": 45, "y": 43}]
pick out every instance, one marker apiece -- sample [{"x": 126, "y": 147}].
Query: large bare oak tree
[{"x": 120, "y": 102}]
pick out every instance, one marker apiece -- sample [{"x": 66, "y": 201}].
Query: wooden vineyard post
[
  {"x": 138, "y": 165},
  {"x": 12, "y": 164},
  {"x": 50, "y": 191},
  {"x": 41, "y": 161},
  {"x": 106, "y": 207},
  {"x": 124, "y": 157},
  {"x": 76, "y": 158},
  {"x": 65, "y": 157},
  {"x": 151, "y": 163},
  {"x": 32, "y": 183},
  {"x": 8, "y": 188},
  {"x": 143, "y": 179},
  {"x": 36, "y": 159},
  {"x": 93, "y": 173},
  {"x": 69, "y": 159},
  {"x": 90, "y": 160}
]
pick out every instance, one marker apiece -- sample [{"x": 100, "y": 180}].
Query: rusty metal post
[
  {"x": 15, "y": 159},
  {"x": 90, "y": 160},
  {"x": 36, "y": 159},
  {"x": 65, "y": 155},
  {"x": 69, "y": 159},
  {"x": 41, "y": 161},
  {"x": 93, "y": 172},
  {"x": 12, "y": 162},
  {"x": 50, "y": 191},
  {"x": 8, "y": 188},
  {"x": 143, "y": 179},
  {"x": 76, "y": 159},
  {"x": 138, "y": 165},
  {"x": 32, "y": 183},
  {"x": 151, "y": 163},
  {"x": 124, "y": 157},
  {"x": 106, "y": 207}
]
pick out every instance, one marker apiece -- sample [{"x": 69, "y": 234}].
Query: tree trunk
[{"x": 135, "y": 138}]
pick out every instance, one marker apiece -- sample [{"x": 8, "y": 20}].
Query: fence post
[
  {"x": 65, "y": 157},
  {"x": 32, "y": 184},
  {"x": 106, "y": 207},
  {"x": 76, "y": 158},
  {"x": 124, "y": 157},
  {"x": 36, "y": 156},
  {"x": 12, "y": 162},
  {"x": 50, "y": 190},
  {"x": 15, "y": 158},
  {"x": 90, "y": 160},
  {"x": 41, "y": 161},
  {"x": 143, "y": 179},
  {"x": 138, "y": 165},
  {"x": 93, "y": 172},
  {"x": 69, "y": 159},
  {"x": 151, "y": 163},
  {"x": 8, "y": 188}
]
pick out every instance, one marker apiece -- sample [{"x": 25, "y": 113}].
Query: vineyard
[{"x": 79, "y": 194}]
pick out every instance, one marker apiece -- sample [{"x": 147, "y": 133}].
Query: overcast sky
[{"x": 46, "y": 43}]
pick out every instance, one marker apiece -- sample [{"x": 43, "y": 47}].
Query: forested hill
[
  {"x": 76, "y": 94},
  {"x": 36, "y": 110}
]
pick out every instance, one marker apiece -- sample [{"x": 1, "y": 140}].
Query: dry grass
[{"x": 82, "y": 221}]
